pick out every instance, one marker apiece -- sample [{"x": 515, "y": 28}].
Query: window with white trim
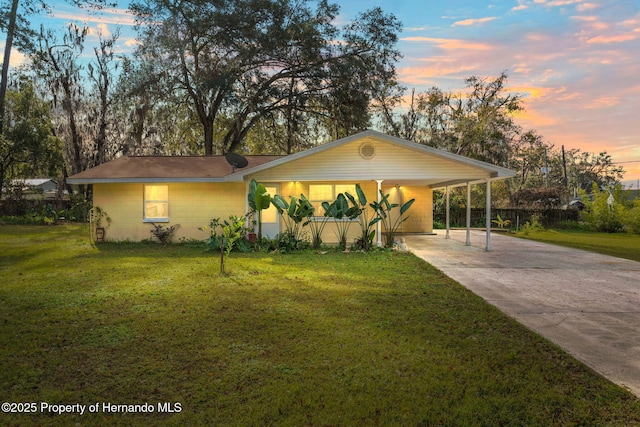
[
  {"x": 156, "y": 203},
  {"x": 319, "y": 193}
]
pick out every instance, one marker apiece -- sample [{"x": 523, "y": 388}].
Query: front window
[
  {"x": 319, "y": 193},
  {"x": 156, "y": 203}
]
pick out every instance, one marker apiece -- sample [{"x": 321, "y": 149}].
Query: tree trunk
[
  {"x": 208, "y": 137},
  {"x": 11, "y": 29}
]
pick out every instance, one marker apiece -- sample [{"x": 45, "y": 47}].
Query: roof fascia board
[
  {"x": 457, "y": 183},
  {"x": 137, "y": 180}
]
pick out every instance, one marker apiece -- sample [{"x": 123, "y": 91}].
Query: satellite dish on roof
[{"x": 236, "y": 160}]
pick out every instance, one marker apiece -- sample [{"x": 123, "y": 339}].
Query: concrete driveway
[{"x": 586, "y": 303}]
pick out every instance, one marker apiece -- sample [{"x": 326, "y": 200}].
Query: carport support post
[
  {"x": 448, "y": 219},
  {"x": 247, "y": 187},
  {"x": 488, "y": 213},
  {"x": 468, "y": 243},
  {"x": 378, "y": 225}
]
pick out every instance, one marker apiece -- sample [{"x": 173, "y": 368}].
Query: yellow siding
[
  {"x": 420, "y": 214},
  {"x": 123, "y": 204},
  {"x": 390, "y": 162},
  {"x": 191, "y": 205}
]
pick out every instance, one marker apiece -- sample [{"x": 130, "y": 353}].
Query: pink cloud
[
  {"x": 101, "y": 30},
  {"x": 620, "y": 38},
  {"x": 107, "y": 16},
  {"x": 450, "y": 43},
  {"x": 430, "y": 75},
  {"x": 557, "y": 3},
  {"x": 533, "y": 119},
  {"x": 587, "y": 6},
  {"x": 131, "y": 42},
  {"x": 593, "y": 22},
  {"x": 603, "y": 102},
  {"x": 17, "y": 58},
  {"x": 477, "y": 21}
]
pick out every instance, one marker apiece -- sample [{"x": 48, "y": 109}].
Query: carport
[{"x": 487, "y": 183}]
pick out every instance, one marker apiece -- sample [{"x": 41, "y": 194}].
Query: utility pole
[
  {"x": 564, "y": 165},
  {"x": 546, "y": 168}
]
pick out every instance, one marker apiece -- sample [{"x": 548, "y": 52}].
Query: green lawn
[
  {"x": 304, "y": 339},
  {"x": 616, "y": 244}
]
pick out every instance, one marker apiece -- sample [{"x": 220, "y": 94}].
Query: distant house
[
  {"x": 575, "y": 203},
  {"x": 190, "y": 191},
  {"x": 36, "y": 187}
]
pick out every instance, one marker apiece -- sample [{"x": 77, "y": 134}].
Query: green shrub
[
  {"x": 79, "y": 209},
  {"x": 532, "y": 225},
  {"x": 162, "y": 233},
  {"x": 288, "y": 241},
  {"x": 632, "y": 218},
  {"x": 40, "y": 215},
  {"x": 604, "y": 211}
]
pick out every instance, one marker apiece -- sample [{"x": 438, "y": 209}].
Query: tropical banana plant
[
  {"x": 316, "y": 224},
  {"x": 501, "y": 222},
  {"x": 296, "y": 213},
  {"x": 343, "y": 214},
  {"x": 367, "y": 219},
  {"x": 259, "y": 199},
  {"x": 383, "y": 209}
]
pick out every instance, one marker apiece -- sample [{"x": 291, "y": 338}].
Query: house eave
[
  {"x": 78, "y": 181},
  {"x": 463, "y": 182}
]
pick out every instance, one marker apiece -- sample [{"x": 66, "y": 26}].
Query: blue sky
[{"x": 576, "y": 62}]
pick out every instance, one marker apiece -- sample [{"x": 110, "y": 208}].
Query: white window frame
[
  {"x": 334, "y": 194},
  {"x": 145, "y": 218}
]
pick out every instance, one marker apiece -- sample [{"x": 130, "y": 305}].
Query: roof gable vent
[{"x": 367, "y": 151}]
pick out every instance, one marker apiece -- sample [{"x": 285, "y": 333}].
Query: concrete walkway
[{"x": 586, "y": 303}]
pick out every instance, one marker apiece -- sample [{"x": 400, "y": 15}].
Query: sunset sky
[{"x": 576, "y": 62}]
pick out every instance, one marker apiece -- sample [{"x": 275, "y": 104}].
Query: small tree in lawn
[{"x": 232, "y": 231}]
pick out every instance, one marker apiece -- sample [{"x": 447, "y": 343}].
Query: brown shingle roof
[{"x": 181, "y": 168}]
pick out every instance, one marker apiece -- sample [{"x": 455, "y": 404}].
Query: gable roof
[
  {"x": 413, "y": 157},
  {"x": 163, "y": 169},
  {"x": 216, "y": 168}
]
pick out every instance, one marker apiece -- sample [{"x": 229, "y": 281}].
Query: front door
[{"x": 271, "y": 217}]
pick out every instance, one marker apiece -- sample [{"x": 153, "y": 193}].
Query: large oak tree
[{"x": 237, "y": 62}]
